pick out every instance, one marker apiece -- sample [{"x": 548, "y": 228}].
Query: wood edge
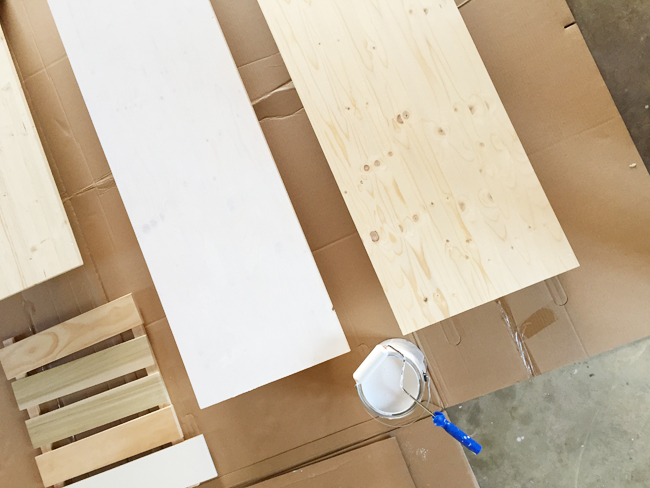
[
  {"x": 7, "y": 349},
  {"x": 29, "y": 404},
  {"x": 39, "y": 459},
  {"x": 31, "y": 421}
]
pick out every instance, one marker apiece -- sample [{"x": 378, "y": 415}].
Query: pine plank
[
  {"x": 110, "y": 446},
  {"x": 180, "y": 466},
  {"x": 77, "y": 375},
  {"x": 71, "y": 336},
  {"x": 36, "y": 240},
  {"x": 437, "y": 182},
  {"x": 226, "y": 252},
  {"x": 109, "y": 406}
]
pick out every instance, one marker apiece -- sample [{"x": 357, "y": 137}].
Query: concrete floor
[
  {"x": 585, "y": 425},
  {"x": 618, "y": 35}
]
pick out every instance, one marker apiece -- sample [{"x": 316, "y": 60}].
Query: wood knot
[
  {"x": 374, "y": 235},
  {"x": 399, "y": 119},
  {"x": 377, "y": 162},
  {"x": 366, "y": 167},
  {"x": 416, "y": 218},
  {"x": 406, "y": 114}
]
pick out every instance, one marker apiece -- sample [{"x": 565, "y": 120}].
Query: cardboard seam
[
  {"x": 283, "y": 87},
  {"x": 322, "y": 248},
  {"x": 93, "y": 186},
  {"x": 281, "y": 117},
  {"x": 573, "y": 136},
  {"x": 258, "y": 60}
]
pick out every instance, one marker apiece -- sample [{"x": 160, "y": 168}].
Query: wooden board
[
  {"x": 129, "y": 439},
  {"x": 70, "y": 336},
  {"x": 181, "y": 466},
  {"x": 109, "y": 406},
  {"x": 235, "y": 275},
  {"x": 36, "y": 240},
  {"x": 92, "y": 370},
  {"x": 441, "y": 191}
]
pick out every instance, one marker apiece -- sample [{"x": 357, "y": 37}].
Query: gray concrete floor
[
  {"x": 618, "y": 35},
  {"x": 585, "y": 425}
]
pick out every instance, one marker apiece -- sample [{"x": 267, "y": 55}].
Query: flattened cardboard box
[{"x": 578, "y": 146}]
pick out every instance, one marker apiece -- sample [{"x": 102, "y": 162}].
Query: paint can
[{"x": 378, "y": 379}]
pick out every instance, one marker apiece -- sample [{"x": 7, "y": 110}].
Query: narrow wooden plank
[
  {"x": 239, "y": 284},
  {"x": 180, "y": 466},
  {"x": 77, "y": 375},
  {"x": 108, "y": 447},
  {"x": 437, "y": 182},
  {"x": 36, "y": 240},
  {"x": 71, "y": 336},
  {"x": 109, "y": 406}
]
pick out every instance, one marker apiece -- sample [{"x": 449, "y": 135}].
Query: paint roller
[{"x": 374, "y": 360}]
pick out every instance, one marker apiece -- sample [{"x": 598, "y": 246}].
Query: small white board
[
  {"x": 237, "y": 280},
  {"x": 186, "y": 464}
]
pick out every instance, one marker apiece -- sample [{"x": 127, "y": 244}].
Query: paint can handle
[{"x": 440, "y": 420}]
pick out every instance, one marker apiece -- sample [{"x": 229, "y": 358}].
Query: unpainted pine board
[
  {"x": 226, "y": 252},
  {"x": 437, "y": 182},
  {"x": 36, "y": 239},
  {"x": 77, "y": 375},
  {"x": 180, "y": 466},
  {"x": 70, "y": 336},
  {"x": 109, "y": 406},
  {"x": 110, "y": 446}
]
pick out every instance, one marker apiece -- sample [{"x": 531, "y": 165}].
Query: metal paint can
[{"x": 378, "y": 379}]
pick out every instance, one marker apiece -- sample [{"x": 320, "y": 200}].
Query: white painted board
[
  {"x": 179, "y": 466},
  {"x": 235, "y": 275},
  {"x": 36, "y": 240}
]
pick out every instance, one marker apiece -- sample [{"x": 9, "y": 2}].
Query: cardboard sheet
[
  {"x": 579, "y": 148},
  {"x": 236, "y": 279},
  {"x": 379, "y": 465}
]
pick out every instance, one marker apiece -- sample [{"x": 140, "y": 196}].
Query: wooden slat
[
  {"x": 110, "y": 446},
  {"x": 36, "y": 240},
  {"x": 242, "y": 281},
  {"x": 92, "y": 370},
  {"x": 186, "y": 464},
  {"x": 437, "y": 182},
  {"x": 71, "y": 336},
  {"x": 109, "y": 406}
]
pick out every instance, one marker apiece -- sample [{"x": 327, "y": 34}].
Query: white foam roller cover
[{"x": 371, "y": 363}]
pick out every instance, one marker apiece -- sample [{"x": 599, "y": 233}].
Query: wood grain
[
  {"x": 36, "y": 240},
  {"x": 185, "y": 464},
  {"x": 226, "y": 252},
  {"x": 77, "y": 375},
  {"x": 110, "y": 446},
  {"x": 71, "y": 336},
  {"x": 109, "y": 406},
  {"x": 437, "y": 182}
]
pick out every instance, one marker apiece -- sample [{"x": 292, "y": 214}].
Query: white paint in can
[{"x": 378, "y": 378}]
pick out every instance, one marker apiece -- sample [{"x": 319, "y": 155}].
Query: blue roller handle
[{"x": 440, "y": 420}]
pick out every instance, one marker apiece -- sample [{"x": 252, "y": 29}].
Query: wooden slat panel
[
  {"x": 442, "y": 193},
  {"x": 98, "y": 410},
  {"x": 71, "y": 336},
  {"x": 36, "y": 240},
  {"x": 186, "y": 464},
  {"x": 108, "y": 447},
  {"x": 83, "y": 373},
  {"x": 237, "y": 285}
]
